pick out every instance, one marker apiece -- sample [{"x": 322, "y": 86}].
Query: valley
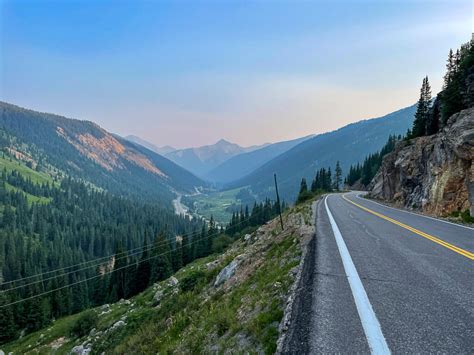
[{"x": 238, "y": 178}]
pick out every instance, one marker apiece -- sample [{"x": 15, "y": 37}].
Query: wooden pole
[{"x": 278, "y": 201}]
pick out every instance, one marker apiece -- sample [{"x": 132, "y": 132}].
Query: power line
[
  {"x": 95, "y": 277},
  {"x": 96, "y": 261},
  {"x": 150, "y": 248},
  {"x": 87, "y": 279},
  {"x": 89, "y": 261}
]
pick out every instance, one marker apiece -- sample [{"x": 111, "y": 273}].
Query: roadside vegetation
[
  {"x": 464, "y": 216},
  {"x": 323, "y": 182}
]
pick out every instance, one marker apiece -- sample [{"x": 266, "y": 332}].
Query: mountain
[
  {"x": 160, "y": 150},
  {"x": 349, "y": 145},
  {"x": 82, "y": 149},
  {"x": 243, "y": 164},
  {"x": 202, "y": 160}
]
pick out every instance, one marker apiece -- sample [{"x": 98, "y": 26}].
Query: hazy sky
[{"x": 188, "y": 73}]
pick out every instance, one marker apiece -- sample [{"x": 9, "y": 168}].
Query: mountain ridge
[
  {"x": 154, "y": 148},
  {"x": 201, "y": 160},
  {"x": 84, "y": 150},
  {"x": 324, "y": 150},
  {"x": 244, "y": 163}
]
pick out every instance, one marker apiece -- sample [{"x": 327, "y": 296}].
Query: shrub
[
  {"x": 85, "y": 323},
  {"x": 220, "y": 243},
  {"x": 466, "y": 217},
  {"x": 189, "y": 282},
  {"x": 304, "y": 196}
]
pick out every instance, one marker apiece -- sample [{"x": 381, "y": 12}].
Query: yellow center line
[{"x": 452, "y": 247}]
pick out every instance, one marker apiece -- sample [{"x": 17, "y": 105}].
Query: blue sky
[{"x": 188, "y": 73}]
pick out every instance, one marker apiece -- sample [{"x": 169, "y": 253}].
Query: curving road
[{"x": 381, "y": 280}]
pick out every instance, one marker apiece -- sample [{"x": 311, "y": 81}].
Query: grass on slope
[
  {"x": 30, "y": 198},
  {"x": 35, "y": 176},
  {"x": 28, "y": 173},
  {"x": 243, "y": 314}
]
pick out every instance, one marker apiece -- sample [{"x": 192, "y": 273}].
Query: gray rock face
[
  {"x": 227, "y": 272},
  {"x": 434, "y": 174}
]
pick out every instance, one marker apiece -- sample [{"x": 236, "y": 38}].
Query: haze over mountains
[
  {"x": 134, "y": 166},
  {"x": 244, "y": 163},
  {"x": 349, "y": 145},
  {"x": 231, "y": 166},
  {"x": 160, "y": 150},
  {"x": 201, "y": 160}
]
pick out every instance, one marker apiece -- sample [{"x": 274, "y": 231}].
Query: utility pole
[{"x": 278, "y": 201}]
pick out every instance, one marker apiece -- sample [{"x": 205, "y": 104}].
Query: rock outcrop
[{"x": 434, "y": 174}]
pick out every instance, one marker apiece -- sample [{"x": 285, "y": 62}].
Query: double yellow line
[{"x": 452, "y": 247}]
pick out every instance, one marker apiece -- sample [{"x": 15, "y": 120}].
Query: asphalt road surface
[{"x": 381, "y": 280}]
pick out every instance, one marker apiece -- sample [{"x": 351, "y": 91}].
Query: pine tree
[
  {"x": 177, "y": 259},
  {"x": 303, "y": 186},
  {"x": 118, "y": 281},
  {"x": 422, "y": 110},
  {"x": 144, "y": 269},
  {"x": 338, "y": 176},
  {"x": 7, "y": 321},
  {"x": 450, "y": 66},
  {"x": 161, "y": 265}
]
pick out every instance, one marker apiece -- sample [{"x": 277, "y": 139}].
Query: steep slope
[
  {"x": 159, "y": 150},
  {"x": 84, "y": 150},
  {"x": 233, "y": 302},
  {"x": 349, "y": 145},
  {"x": 243, "y": 164},
  {"x": 203, "y": 159},
  {"x": 434, "y": 174}
]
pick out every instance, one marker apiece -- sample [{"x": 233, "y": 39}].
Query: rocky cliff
[{"x": 434, "y": 174}]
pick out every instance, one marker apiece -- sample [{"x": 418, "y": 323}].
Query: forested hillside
[
  {"x": 348, "y": 145},
  {"x": 59, "y": 234},
  {"x": 83, "y": 150}
]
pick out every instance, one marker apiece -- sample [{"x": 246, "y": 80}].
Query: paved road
[{"x": 383, "y": 280}]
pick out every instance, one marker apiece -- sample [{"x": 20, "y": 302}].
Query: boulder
[
  {"x": 173, "y": 281},
  {"x": 227, "y": 272},
  {"x": 158, "y": 296},
  {"x": 79, "y": 349},
  {"x": 119, "y": 324},
  {"x": 212, "y": 265}
]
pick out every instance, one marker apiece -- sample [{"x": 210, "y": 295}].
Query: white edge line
[
  {"x": 413, "y": 213},
  {"x": 370, "y": 323}
]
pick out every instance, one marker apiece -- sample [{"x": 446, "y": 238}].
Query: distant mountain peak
[
  {"x": 160, "y": 150},
  {"x": 223, "y": 141}
]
